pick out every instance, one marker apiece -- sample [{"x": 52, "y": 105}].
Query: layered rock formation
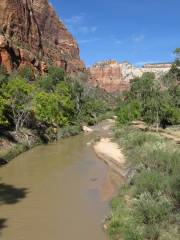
[
  {"x": 31, "y": 33},
  {"x": 113, "y": 76}
]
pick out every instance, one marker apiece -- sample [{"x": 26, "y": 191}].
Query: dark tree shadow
[
  {"x": 2, "y": 224},
  {"x": 7, "y": 135},
  {"x": 10, "y": 194}
]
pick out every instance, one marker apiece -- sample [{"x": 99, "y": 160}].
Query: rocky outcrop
[
  {"x": 32, "y": 33},
  {"x": 113, "y": 76},
  {"x": 108, "y": 76}
]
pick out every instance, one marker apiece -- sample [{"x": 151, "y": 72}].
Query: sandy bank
[{"x": 110, "y": 152}]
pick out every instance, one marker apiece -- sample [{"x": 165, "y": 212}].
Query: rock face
[
  {"x": 113, "y": 76},
  {"x": 31, "y": 33}
]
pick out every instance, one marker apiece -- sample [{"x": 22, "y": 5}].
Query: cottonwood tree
[{"x": 19, "y": 95}]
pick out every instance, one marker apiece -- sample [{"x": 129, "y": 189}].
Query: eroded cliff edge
[
  {"x": 113, "y": 76},
  {"x": 31, "y": 33}
]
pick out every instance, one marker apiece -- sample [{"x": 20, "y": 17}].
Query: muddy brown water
[{"x": 54, "y": 192}]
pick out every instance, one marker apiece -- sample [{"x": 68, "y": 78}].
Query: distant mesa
[{"x": 113, "y": 76}]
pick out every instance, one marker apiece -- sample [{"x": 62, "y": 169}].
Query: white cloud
[
  {"x": 119, "y": 42},
  {"x": 75, "y": 19},
  {"x": 138, "y": 38},
  {"x": 90, "y": 40},
  {"x": 94, "y": 29},
  {"x": 76, "y": 25},
  {"x": 83, "y": 30}
]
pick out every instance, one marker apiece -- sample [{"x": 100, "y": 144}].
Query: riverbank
[
  {"x": 13, "y": 144},
  {"x": 147, "y": 206},
  {"x": 111, "y": 153}
]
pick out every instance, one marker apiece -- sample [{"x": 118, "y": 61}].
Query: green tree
[
  {"x": 142, "y": 87},
  {"x": 49, "y": 81},
  {"x": 127, "y": 112},
  {"x": 77, "y": 94},
  {"x": 48, "y": 109},
  {"x": 90, "y": 110},
  {"x": 66, "y": 101},
  {"x": 3, "y": 119},
  {"x": 19, "y": 95}
]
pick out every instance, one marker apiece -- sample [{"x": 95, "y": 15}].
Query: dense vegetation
[
  {"x": 50, "y": 100},
  {"x": 148, "y": 206},
  {"x": 155, "y": 101}
]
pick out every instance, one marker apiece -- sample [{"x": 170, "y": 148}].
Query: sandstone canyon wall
[
  {"x": 31, "y": 33},
  {"x": 113, "y": 76}
]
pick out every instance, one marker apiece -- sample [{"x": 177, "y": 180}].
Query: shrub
[
  {"x": 148, "y": 209},
  {"x": 69, "y": 131},
  {"x": 150, "y": 181},
  {"x": 26, "y": 73},
  {"x": 128, "y": 112},
  {"x": 152, "y": 210},
  {"x": 48, "y": 82}
]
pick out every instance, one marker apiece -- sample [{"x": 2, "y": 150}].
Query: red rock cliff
[
  {"x": 113, "y": 76},
  {"x": 32, "y": 33}
]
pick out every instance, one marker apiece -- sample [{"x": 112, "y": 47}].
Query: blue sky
[{"x": 137, "y": 31}]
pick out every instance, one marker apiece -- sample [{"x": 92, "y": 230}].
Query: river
[{"x": 54, "y": 192}]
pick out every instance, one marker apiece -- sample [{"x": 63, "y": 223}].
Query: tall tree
[{"x": 19, "y": 95}]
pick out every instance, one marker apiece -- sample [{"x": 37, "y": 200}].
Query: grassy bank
[{"x": 148, "y": 206}]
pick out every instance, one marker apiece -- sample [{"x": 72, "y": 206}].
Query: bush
[
  {"x": 69, "y": 131},
  {"x": 48, "y": 82},
  {"x": 128, "y": 112},
  {"x": 150, "y": 181},
  {"x": 152, "y": 210},
  {"x": 149, "y": 207},
  {"x": 26, "y": 73}
]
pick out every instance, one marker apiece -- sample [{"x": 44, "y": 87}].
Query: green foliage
[
  {"x": 150, "y": 181},
  {"x": 54, "y": 99},
  {"x": 128, "y": 112},
  {"x": 153, "y": 101},
  {"x": 26, "y": 73},
  {"x": 147, "y": 207},
  {"x": 18, "y": 94},
  {"x": 48, "y": 82},
  {"x": 3, "y": 76},
  {"x": 69, "y": 131},
  {"x": 3, "y": 120},
  {"x": 143, "y": 87},
  {"x": 63, "y": 90},
  {"x": 48, "y": 109},
  {"x": 90, "y": 110}
]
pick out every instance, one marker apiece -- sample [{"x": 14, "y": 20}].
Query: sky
[{"x": 137, "y": 31}]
